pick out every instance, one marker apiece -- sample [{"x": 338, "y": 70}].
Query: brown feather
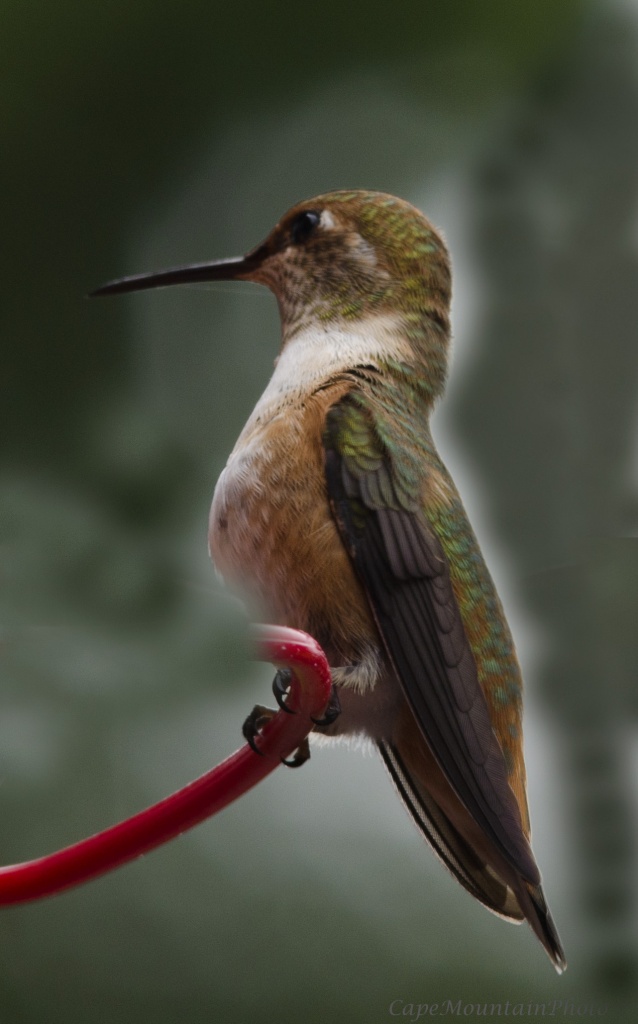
[{"x": 273, "y": 536}]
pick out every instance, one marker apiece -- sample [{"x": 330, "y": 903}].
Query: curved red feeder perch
[{"x": 308, "y": 697}]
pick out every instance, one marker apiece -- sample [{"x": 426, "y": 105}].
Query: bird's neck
[{"x": 320, "y": 353}]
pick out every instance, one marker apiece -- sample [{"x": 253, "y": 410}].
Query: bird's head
[{"x": 339, "y": 257}]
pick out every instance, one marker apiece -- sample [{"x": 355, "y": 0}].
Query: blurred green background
[{"x": 141, "y": 135}]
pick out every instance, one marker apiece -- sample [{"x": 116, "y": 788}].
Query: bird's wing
[{"x": 404, "y": 572}]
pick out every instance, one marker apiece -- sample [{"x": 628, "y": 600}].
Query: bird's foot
[
  {"x": 299, "y": 757},
  {"x": 255, "y": 722},
  {"x": 333, "y": 709}
]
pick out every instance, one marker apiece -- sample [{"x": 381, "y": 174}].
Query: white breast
[{"x": 319, "y": 351}]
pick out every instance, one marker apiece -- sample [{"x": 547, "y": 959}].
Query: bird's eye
[{"x": 303, "y": 226}]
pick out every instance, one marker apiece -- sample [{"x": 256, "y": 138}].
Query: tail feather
[
  {"x": 447, "y": 843},
  {"x": 514, "y": 900}
]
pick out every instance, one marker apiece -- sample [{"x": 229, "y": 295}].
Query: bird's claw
[
  {"x": 252, "y": 727},
  {"x": 300, "y": 756},
  {"x": 254, "y": 723},
  {"x": 333, "y": 710},
  {"x": 280, "y": 687}
]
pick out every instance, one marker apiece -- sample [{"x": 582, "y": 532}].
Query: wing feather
[{"x": 404, "y": 571}]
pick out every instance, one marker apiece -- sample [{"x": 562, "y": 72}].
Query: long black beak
[{"x": 216, "y": 270}]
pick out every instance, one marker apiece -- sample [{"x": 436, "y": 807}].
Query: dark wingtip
[{"x": 543, "y": 924}]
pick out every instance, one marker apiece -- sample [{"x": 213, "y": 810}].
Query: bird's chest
[{"x": 271, "y": 531}]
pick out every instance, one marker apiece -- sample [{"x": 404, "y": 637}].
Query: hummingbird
[{"x": 336, "y": 513}]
